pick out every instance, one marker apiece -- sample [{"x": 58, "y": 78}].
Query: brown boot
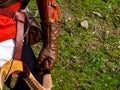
[{"x": 50, "y": 24}]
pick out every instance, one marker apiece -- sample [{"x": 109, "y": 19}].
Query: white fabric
[{"x": 6, "y": 51}]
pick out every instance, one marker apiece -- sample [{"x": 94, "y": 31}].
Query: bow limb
[{"x": 19, "y": 67}]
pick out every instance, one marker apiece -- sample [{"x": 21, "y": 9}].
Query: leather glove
[
  {"x": 50, "y": 24},
  {"x": 49, "y": 51}
]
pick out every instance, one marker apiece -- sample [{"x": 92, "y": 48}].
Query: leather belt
[{"x": 20, "y": 17}]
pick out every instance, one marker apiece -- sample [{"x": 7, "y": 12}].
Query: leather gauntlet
[{"x": 50, "y": 24}]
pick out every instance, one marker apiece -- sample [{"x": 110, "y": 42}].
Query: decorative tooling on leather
[{"x": 32, "y": 84}]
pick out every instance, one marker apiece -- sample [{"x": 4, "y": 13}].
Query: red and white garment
[
  {"x": 7, "y": 35},
  {"x": 6, "y": 51}
]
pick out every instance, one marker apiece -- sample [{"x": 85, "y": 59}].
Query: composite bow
[{"x": 20, "y": 67}]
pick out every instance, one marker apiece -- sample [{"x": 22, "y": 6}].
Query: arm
[{"x": 50, "y": 24}]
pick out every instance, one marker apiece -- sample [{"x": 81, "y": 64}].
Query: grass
[{"x": 89, "y": 59}]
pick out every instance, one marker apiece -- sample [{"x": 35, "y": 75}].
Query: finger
[
  {"x": 46, "y": 65},
  {"x": 40, "y": 60},
  {"x": 50, "y": 63},
  {"x": 38, "y": 64},
  {"x": 40, "y": 73}
]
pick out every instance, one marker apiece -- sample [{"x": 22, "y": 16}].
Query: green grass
[{"x": 89, "y": 59}]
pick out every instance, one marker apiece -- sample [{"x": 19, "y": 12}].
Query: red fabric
[
  {"x": 8, "y": 25},
  {"x": 54, "y": 10}
]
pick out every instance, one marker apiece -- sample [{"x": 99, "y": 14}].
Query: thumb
[{"x": 39, "y": 62}]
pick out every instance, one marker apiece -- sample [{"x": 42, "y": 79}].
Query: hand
[{"x": 49, "y": 55}]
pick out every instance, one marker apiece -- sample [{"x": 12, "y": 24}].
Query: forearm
[
  {"x": 50, "y": 24},
  {"x": 47, "y": 10}
]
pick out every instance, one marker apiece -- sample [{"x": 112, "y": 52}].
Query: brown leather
[
  {"x": 49, "y": 51},
  {"x": 20, "y": 18},
  {"x": 51, "y": 30},
  {"x": 2, "y": 1},
  {"x": 33, "y": 32},
  {"x": 6, "y": 3}
]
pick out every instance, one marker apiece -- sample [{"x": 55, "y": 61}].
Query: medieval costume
[{"x": 50, "y": 24}]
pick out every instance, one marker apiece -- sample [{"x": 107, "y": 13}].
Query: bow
[{"x": 22, "y": 69}]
